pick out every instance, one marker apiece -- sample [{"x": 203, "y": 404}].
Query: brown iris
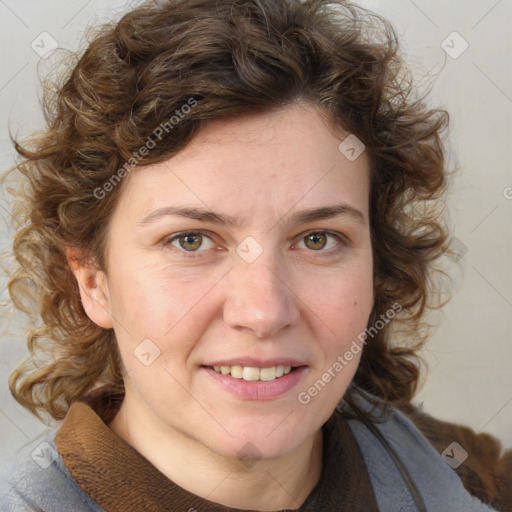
[
  {"x": 317, "y": 241},
  {"x": 191, "y": 242}
]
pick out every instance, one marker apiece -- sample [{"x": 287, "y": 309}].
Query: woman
[{"x": 219, "y": 234}]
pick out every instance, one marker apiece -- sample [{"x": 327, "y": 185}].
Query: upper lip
[{"x": 256, "y": 363}]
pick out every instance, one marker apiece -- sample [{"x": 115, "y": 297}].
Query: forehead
[{"x": 274, "y": 160}]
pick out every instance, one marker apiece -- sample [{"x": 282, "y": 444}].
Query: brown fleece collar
[{"x": 119, "y": 479}]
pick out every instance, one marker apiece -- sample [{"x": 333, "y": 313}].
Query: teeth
[
  {"x": 237, "y": 372},
  {"x": 268, "y": 373},
  {"x": 251, "y": 373}
]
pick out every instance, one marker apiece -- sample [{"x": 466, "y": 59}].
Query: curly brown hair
[{"x": 229, "y": 57}]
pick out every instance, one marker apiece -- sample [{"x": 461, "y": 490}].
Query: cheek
[
  {"x": 343, "y": 302},
  {"x": 170, "y": 310}
]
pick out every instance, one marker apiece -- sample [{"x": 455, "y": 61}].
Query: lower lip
[{"x": 258, "y": 389}]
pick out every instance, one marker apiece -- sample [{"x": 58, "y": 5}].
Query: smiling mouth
[{"x": 252, "y": 373}]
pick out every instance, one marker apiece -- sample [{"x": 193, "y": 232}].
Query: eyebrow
[{"x": 208, "y": 216}]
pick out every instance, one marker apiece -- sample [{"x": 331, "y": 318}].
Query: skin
[{"x": 299, "y": 298}]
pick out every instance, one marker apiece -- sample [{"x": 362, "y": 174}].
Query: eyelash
[{"x": 341, "y": 239}]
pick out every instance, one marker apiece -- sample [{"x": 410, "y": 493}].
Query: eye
[
  {"x": 319, "y": 240},
  {"x": 190, "y": 241}
]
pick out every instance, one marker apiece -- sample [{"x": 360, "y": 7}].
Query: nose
[{"x": 259, "y": 300}]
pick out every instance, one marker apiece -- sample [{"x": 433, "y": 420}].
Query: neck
[{"x": 266, "y": 484}]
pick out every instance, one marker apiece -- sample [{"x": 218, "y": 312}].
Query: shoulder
[
  {"x": 35, "y": 478},
  {"x": 486, "y": 470},
  {"x": 399, "y": 457}
]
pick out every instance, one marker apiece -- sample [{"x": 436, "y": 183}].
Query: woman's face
[{"x": 246, "y": 253}]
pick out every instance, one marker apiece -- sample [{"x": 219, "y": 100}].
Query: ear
[{"x": 93, "y": 286}]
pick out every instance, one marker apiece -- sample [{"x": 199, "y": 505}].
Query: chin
[{"x": 269, "y": 439}]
